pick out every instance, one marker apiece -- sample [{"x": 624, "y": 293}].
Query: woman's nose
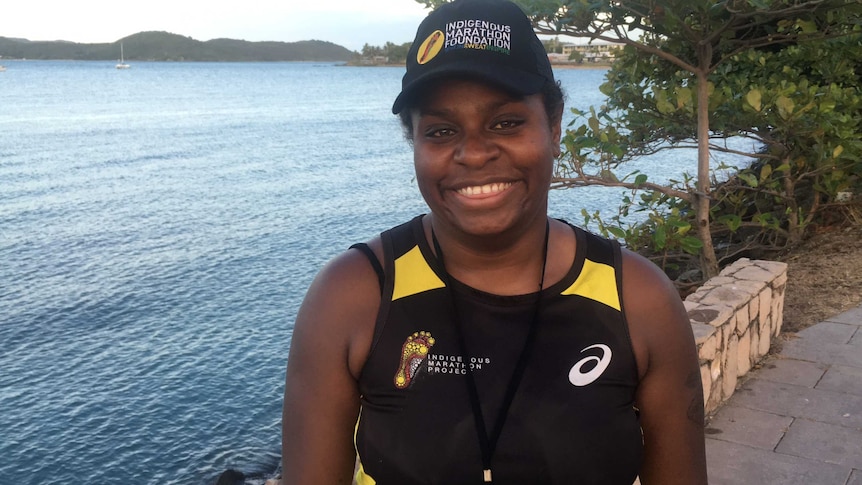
[{"x": 475, "y": 149}]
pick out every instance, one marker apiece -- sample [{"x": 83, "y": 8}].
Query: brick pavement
[{"x": 798, "y": 419}]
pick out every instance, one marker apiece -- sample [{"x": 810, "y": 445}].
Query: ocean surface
[{"x": 158, "y": 229}]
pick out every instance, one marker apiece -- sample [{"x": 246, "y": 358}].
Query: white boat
[
  {"x": 2, "y": 68},
  {"x": 122, "y": 64}
]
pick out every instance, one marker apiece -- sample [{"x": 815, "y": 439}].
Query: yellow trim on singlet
[
  {"x": 597, "y": 282},
  {"x": 361, "y": 478},
  {"x": 413, "y": 275},
  {"x": 359, "y": 475}
]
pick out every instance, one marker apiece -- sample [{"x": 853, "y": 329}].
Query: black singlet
[{"x": 572, "y": 420}]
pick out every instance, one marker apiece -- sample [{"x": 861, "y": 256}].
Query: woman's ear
[{"x": 557, "y": 131}]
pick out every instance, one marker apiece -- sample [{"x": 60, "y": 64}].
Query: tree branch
[{"x": 588, "y": 180}]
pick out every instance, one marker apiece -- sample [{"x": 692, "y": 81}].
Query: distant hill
[{"x": 164, "y": 46}]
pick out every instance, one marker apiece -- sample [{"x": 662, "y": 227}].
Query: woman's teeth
[{"x": 485, "y": 189}]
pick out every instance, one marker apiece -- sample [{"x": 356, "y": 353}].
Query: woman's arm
[
  {"x": 670, "y": 394},
  {"x": 330, "y": 343}
]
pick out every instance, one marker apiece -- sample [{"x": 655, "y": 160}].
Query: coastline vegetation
[
  {"x": 387, "y": 54},
  {"x": 165, "y": 46},
  {"x": 391, "y": 54},
  {"x": 780, "y": 75}
]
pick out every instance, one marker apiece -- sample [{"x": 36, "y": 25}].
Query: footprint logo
[{"x": 413, "y": 352}]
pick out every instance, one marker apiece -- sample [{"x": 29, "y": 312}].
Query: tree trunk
[
  {"x": 794, "y": 231},
  {"x": 708, "y": 260}
]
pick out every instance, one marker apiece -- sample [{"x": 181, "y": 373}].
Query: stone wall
[{"x": 734, "y": 317}]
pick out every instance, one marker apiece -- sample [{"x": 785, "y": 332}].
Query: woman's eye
[
  {"x": 439, "y": 132},
  {"x": 506, "y": 124}
]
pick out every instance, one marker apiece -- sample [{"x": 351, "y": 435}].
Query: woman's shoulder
[
  {"x": 656, "y": 317},
  {"x": 645, "y": 276}
]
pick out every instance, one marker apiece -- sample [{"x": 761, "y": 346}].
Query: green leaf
[
  {"x": 749, "y": 179},
  {"x": 732, "y": 221},
  {"x": 753, "y": 98},
  {"x": 682, "y": 228},
  {"x": 691, "y": 244},
  {"x": 607, "y": 88},
  {"x": 660, "y": 237},
  {"x": 662, "y": 104},
  {"x": 608, "y": 176},
  {"x": 807, "y": 26},
  {"x": 785, "y": 107},
  {"x": 641, "y": 179},
  {"x": 765, "y": 172},
  {"x": 617, "y": 232},
  {"x": 683, "y": 97}
]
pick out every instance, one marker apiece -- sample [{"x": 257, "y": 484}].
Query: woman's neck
[{"x": 503, "y": 264}]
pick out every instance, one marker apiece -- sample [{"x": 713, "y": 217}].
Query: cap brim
[{"x": 511, "y": 80}]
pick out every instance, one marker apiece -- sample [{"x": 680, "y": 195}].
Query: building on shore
[{"x": 591, "y": 53}]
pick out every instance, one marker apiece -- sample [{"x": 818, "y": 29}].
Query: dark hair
[{"x": 553, "y": 98}]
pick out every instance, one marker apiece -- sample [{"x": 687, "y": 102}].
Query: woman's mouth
[{"x": 487, "y": 189}]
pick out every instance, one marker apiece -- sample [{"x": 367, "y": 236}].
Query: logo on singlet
[
  {"x": 413, "y": 352},
  {"x": 579, "y": 377}
]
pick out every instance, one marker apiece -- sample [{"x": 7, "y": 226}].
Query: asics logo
[{"x": 579, "y": 378}]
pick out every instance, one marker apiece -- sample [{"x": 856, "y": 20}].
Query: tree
[
  {"x": 371, "y": 50},
  {"x": 394, "y": 53},
  {"x": 553, "y": 46},
  {"x": 802, "y": 104},
  {"x": 682, "y": 36},
  {"x": 576, "y": 56},
  {"x": 797, "y": 107}
]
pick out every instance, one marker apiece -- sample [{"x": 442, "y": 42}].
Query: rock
[{"x": 231, "y": 477}]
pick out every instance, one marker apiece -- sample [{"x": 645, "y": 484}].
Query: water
[{"x": 158, "y": 229}]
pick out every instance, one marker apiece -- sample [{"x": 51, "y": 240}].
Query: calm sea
[{"x": 158, "y": 229}]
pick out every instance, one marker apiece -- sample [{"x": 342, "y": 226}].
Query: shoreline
[
  {"x": 580, "y": 66},
  {"x": 554, "y": 65}
]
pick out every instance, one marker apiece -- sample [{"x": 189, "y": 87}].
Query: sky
[{"x": 350, "y": 23}]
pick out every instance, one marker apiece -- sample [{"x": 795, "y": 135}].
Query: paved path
[{"x": 798, "y": 419}]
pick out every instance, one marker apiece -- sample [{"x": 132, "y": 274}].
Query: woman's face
[{"x": 483, "y": 158}]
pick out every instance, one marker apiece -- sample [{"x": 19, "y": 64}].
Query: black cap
[{"x": 489, "y": 39}]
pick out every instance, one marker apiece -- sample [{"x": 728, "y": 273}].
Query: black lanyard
[{"x": 488, "y": 444}]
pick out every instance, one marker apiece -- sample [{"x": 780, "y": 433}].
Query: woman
[{"x": 484, "y": 342}]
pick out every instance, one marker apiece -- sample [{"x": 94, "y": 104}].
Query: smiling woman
[{"x": 485, "y": 341}]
